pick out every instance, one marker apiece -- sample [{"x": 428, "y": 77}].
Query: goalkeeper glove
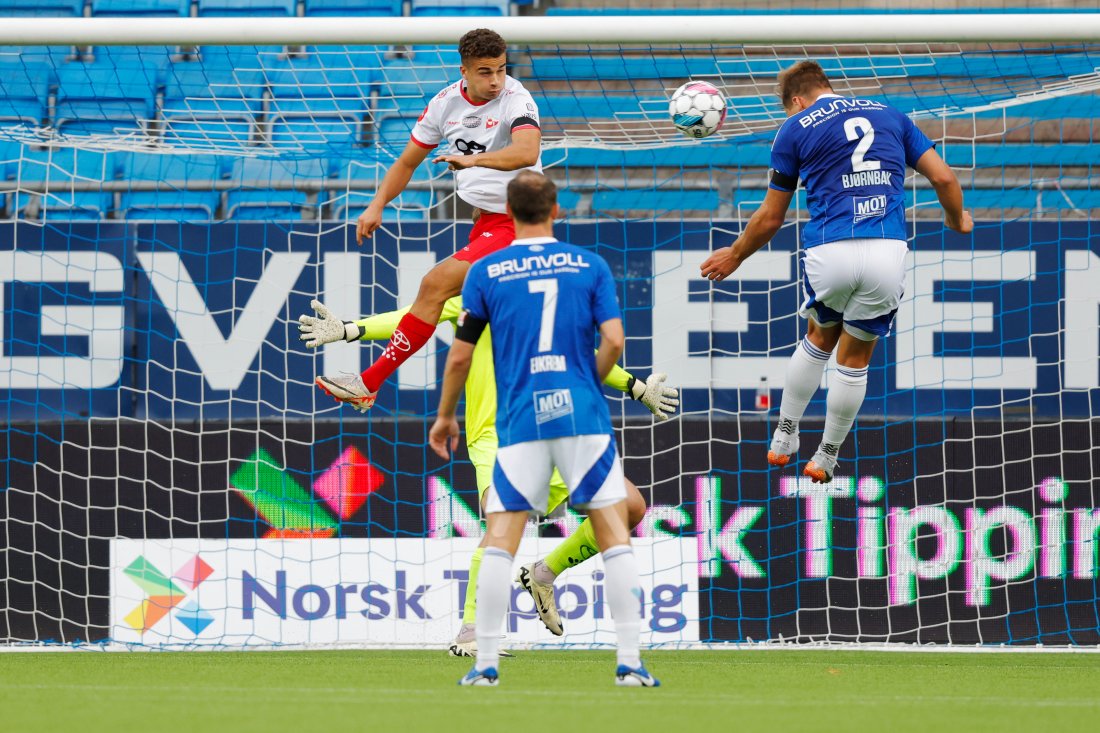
[
  {"x": 326, "y": 328},
  {"x": 653, "y": 393}
]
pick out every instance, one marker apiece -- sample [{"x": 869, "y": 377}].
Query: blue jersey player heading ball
[
  {"x": 546, "y": 301},
  {"x": 851, "y": 155}
]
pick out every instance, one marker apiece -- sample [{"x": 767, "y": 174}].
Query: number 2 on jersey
[
  {"x": 853, "y": 128},
  {"x": 549, "y": 289}
]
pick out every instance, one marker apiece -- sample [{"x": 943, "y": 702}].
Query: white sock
[
  {"x": 493, "y": 586},
  {"x": 846, "y": 391},
  {"x": 804, "y": 372},
  {"x": 624, "y": 596}
]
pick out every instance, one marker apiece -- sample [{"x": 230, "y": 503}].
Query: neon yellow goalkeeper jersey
[{"x": 481, "y": 386}]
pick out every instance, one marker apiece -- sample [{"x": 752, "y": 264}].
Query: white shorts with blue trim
[
  {"x": 589, "y": 464},
  {"x": 857, "y": 281}
]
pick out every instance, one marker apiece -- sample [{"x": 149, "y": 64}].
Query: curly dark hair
[
  {"x": 481, "y": 43},
  {"x": 801, "y": 79}
]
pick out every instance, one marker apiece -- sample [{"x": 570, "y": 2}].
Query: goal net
[{"x": 173, "y": 479}]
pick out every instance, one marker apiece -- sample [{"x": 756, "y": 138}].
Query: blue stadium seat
[
  {"x": 146, "y": 8},
  {"x": 380, "y": 8},
  {"x": 65, "y": 171},
  {"x": 24, "y": 89},
  {"x": 42, "y": 8},
  {"x": 238, "y": 58},
  {"x": 393, "y": 134},
  {"x": 409, "y": 206},
  {"x": 460, "y": 7},
  {"x": 245, "y": 8},
  {"x": 210, "y": 106},
  {"x": 264, "y": 189},
  {"x": 655, "y": 200},
  {"x": 320, "y": 100},
  {"x": 54, "y": 56},
  {"x": 407, "y": 85},
  {"x": 187, "y": 181},
  {"x": 116, "y": 91}
]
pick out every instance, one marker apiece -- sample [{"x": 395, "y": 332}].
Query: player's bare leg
[
  {"x": 847, "y": 388},
  {"x": 538, "y": 577},
  {"x": 623, "y": 592},
  {"x": 804, "y": 371},
  {"x": 415, "y": 329}
]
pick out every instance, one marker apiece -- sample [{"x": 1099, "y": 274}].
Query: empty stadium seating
[
  {"x": 353, "y": 7},
  {"x": 42, "y": 8},
  {"x": 141, "y": 8}
]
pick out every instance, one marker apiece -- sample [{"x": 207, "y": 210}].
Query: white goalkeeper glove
[
  {"x": 326, "y": 328},
  {"x": 653, "y": 393}
]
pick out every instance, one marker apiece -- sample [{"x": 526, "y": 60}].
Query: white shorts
[
  {"x": 855, "y": 281},
  {"x": 589, "y": 464}
]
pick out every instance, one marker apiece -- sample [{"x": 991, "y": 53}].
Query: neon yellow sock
[
  {"x": 469, "y": 609},
  {"x": 573, "y": 550}
]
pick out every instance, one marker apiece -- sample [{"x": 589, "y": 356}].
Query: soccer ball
[{"x": 697, "y": 109}]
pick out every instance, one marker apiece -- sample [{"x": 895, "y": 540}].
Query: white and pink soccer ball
[{"x": 697, "y": 109}]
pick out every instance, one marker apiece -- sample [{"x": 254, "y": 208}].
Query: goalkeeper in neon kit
[{"x": 481, "y": 442}]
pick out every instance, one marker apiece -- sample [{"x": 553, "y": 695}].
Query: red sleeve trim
[
  {"x": 426, "y": 146},
  {"x": 525, "y": 127}
]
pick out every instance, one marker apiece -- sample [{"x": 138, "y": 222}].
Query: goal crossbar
[{"x": 794, "y": 29}]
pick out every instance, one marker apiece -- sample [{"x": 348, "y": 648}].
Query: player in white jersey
[
  {"x": 852, "y": 155},
  {"x": 489, "y": 127}
]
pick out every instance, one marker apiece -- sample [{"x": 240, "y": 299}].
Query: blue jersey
[
  {"x": 851, "y": 155},
  {"x": 544, "y": 301}
]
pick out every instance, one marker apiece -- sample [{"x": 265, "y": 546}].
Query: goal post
[{"x": 177, "y": 191}]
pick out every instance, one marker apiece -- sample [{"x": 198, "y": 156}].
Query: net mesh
[{"x": 173, "y": 477}]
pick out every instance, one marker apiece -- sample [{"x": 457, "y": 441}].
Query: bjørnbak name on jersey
[
  {"x": 551, "y": 404},
  {"x": 866, "y": 178},
  {"x": 548, "y": 363},
  {"x": 535, "y": 264},
  {"x": 835, "y": 106}
]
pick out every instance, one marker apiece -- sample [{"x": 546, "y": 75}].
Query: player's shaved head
[
  {"x": 532, "y": 197},
  {"x": 481, "y": 43},
  {"x": 801, "y": 80}
]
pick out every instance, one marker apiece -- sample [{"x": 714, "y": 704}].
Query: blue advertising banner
[{"x": 191, "y": 321}]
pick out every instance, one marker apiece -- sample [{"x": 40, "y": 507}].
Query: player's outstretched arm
[
  {"x": 393, "y": 183},
  {"x": 522, "y": 153},
  {"x": 443, "y": 437},
  {"x": 651, "y": 391},
  {"x": 762, "y": 226},
  {"x": 948, "y": 191},
  {"x": 612, "y": 341},
  {"x": 326, "y": 327}
]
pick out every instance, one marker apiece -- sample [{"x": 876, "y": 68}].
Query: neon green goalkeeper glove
[
  {"x": 326, "y": 328},
  {"x": 653, "y": 393}
]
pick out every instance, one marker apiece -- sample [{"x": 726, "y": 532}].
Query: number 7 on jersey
[{"x": 549, "y": 289}]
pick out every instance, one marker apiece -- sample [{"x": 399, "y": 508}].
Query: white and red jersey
[{"x": 469, "y": 128}]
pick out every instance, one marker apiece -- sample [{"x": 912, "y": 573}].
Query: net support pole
[{"x": 768, "y": 29}]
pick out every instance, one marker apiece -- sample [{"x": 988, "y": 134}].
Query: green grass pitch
[{"x": 570, "y": 691}]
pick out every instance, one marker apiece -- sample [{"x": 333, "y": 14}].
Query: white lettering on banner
[
  {"x": 1082, "y": 319},
  {"x": 920, "y": 317},
  {"x": 341, "y": 284},
  {"x": 100, "y": 324},
  {"x": 675, "y": 318},
  {"x": 369, "y": 591},
  {"x": 224, "y": 362}
]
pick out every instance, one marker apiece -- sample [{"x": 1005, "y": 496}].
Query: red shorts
[{"x": 491, "y": 232}]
